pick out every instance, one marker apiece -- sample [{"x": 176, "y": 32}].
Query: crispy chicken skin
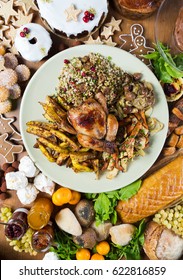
[
  {"x": 96, "y": 144},
  {"x": 112, "y": 128},
  {"x": 89, "y": 119}
]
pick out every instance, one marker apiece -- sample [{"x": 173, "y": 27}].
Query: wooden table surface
[{"x": 6, "y": 252}]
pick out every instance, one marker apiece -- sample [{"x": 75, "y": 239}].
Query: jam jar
[
  {"x": 40, "y": 213},
  {"x": 42, "y": 239},
  {"x": 137, "y": 9},
  {"x": 17, "y": 225}
]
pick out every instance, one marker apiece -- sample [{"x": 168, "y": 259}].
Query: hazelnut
[{"x": 3, "y": 187}]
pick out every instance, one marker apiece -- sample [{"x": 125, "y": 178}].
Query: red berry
[
  {"x": 86, "y": 19},
  {"x": 26, "y": 30},
  {"x": 91, "y": 17},
  {"x": 66, "y": 61},
  {"x": 22, "y": 34},
  {"x": 92, "y": 68},
  {"x": 87, "y": 13}
]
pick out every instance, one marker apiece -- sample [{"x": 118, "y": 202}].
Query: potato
[
  {"x": 84, "y": 212},
  {"x": 87, "y": 240}
]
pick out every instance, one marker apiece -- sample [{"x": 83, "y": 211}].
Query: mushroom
[
  {"x": 87, "y": 240},
  {"x": 67, "y": 221},
  {"x": 84, "y": 212},
  {"x": 102, "y": 230},
  {"x": 122, "y": 234}
]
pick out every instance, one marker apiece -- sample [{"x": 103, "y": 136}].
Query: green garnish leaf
[
  {"x": 127, "y": 192},
  {"x": 105, "y": 203},
  {"x": 165, "y": 64},
  {"x": 131, "y": 251},
  {"x": 64, "y": 246}
]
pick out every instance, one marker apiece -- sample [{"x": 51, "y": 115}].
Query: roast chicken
[{"x": 95, "y": 128}]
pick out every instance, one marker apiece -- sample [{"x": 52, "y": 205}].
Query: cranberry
[
  {"x": 26, "y": 30},
  {"x": 66, "y": 61},
  {"x": 83, "y": 74},
  {"x": 86, "y": 19},
  {"x": 92, "y": 68},
  {"x": 22, "y": 34},
  {"x": 169, "y": 89},
  {"x": 87, "y": 13},
  {"x": 91, "y": 17}
]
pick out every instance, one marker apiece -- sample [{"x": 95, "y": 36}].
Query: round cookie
[
  {"x": 73, "y": 17},
  {"x": 33, "y": 42}
]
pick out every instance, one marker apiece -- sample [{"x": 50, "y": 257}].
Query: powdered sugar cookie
[
  {"x": 33, "y": 42},
  {"x": 5, "y": 106},
  {"x": 23, "y": 72},
  {"x": 14, "y": 91},
  {"x": 8, "y": 77},
  {"x": 4, "y": 93},
  {"x": 11, "y": 60}
]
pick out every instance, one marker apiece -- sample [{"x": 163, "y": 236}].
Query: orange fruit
[
  {"x": 103, "y": 248},
  {"x": 83, "y": 254},
  {"x": 61, "y": 196},
  {"x": 76, "y": 196},
  {"x": 97, "y": 256}
]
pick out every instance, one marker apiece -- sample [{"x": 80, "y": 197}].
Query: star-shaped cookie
[
  {"x": 93, "y": 41},
  {"x": 107, "y": 32},
  {"x": 115, "y": 24},
  {"x": 26, "y": 5},
  {"x": 6, "y": 10},
  {"x": 72, "y": 13}
]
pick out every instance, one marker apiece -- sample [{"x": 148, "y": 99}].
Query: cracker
[
  {"x": 8, "y": 77},
  {"x": 23, "y": 72},
  {"x": 11, "y": 61},
  {"x": 6, "y": 125},
  {"x": 5, "y": 106},
  {"x": 8, "y": 150}
]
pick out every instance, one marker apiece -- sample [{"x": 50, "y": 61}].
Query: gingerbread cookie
[
  {"x": 7, "y": 127},
  {"x": 135, "y": 43},
  {"x": 9, "y": 150}
]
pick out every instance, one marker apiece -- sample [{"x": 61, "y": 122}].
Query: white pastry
[
  {"x": 33, "y": 42},
  {"x": 16, "y": 180},
  {"x": 28, "y": 194},
  {"x": 27, "y": 167},
  {"x": 44, "y": 184}
]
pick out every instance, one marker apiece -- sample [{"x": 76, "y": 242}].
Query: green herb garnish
[
  {"x": 105, "y": 203},
  {"x": 131, "y": 251},
  {"x": 166, "y": 67},
  {"x": 64, "y": 246}
]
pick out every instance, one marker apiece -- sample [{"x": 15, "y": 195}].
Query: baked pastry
[
  {"x": 137, "y": 9},
  {"x": 157, "y": 191},
  {"x": 73, "y": 18},
  {"x": 33, "y": 41}
]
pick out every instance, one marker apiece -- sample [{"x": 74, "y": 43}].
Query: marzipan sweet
[{"x": 158, "y": 190}]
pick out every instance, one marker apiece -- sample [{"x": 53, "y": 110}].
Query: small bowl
[{"x": 165, "y": 23}]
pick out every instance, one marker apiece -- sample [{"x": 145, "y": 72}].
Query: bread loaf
[
  {"x": 157, "y": 191},
  {"x": 161, "y": 243}
]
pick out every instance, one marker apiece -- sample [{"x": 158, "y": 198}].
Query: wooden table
[{"x": 6, "y": 251}]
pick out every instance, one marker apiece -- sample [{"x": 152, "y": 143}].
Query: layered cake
[{"x": 73, "y": 18}]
